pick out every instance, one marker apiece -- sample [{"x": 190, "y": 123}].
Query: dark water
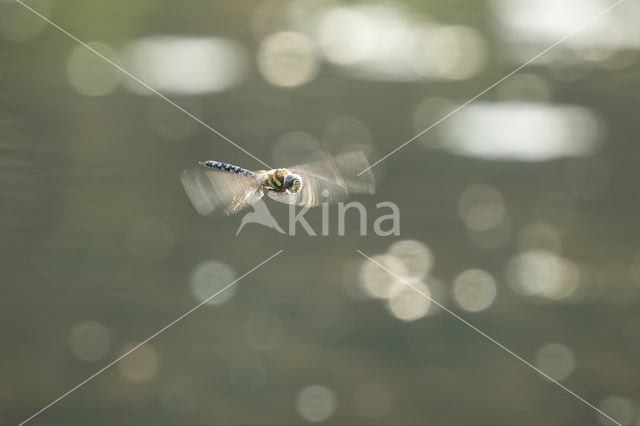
[{"x": 101, "y": 248}]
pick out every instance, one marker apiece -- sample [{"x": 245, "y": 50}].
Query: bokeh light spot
[
  {"x": 91, "y": 75},
  {"x": 376, "y": 281},
  {"x": 522, "y": 131},
  {"x": 186, "y": 65},
  {"x": 416, "y": 257},
  {"x": 17, "y": 23},
  {"x": 141, "y": 365},
  {"x": 316, "y": 403},
  {"x": 619, "y": 408},
  {"x": 474, "y": 290},
  {"x": 209, "y": 279},
  {"x": 384, "y": 42},
  {"x": 481, "y": 207},
  {"x": 287, "y": 59},
  {"x": 410, "y": 303},
  {"x": 347, "y": 134},
  {"x": 543, "y": 274},
  {"x": 449, "y": 52},
  {"x": 296, "y": 147},
  {"x": 346, "y": 35},
  {"x": 89, "y": 340},
  {"x": 545, "y": 21},
  {"x": 556, "y": 360}
]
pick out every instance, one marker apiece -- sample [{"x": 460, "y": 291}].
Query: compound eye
[{"x": 295, "y": 185}]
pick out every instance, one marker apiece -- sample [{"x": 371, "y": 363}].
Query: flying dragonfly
[{"x": 216, "y": 187}]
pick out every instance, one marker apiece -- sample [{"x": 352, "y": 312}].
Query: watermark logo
[
  {"x": 385, "y": 224},
  {"x": 260, "y": 215}
]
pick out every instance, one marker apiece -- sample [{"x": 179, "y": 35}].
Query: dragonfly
[{"x": 214, "y": 187}]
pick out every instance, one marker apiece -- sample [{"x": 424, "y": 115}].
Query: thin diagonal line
[
  {"x": 124, "y": 71},
  {"x": 500, "y": 345},
  {"x": 569, "y": 35},
  {"x": 115, "y": 361}
]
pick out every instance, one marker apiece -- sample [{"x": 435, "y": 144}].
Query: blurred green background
[{"x": 519, "y": 213}]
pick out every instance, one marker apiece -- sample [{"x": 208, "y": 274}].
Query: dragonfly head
[{"x": 292, "y": 182}]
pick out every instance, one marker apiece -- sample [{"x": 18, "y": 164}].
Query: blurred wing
[
  {"x": 331, "y": 180},
  {"x": 216, "y": 191},
  {"x": 352, "y": 166},
  {"x": 282, "y": 198}
]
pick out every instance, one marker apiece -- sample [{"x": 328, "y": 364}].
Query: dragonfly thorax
[{"x": 282, "y": 180}]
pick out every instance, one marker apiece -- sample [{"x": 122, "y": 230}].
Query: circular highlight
[
  {"x": 186, "y": 65},
  {"x": 409, "y": 303},
  {"x": 556, "y": 360},
  {"x": 619, "y": 408},
  {"x": 316, "y": 403},
  {"x": 416, "y": 256},
  {"x": 543, "y": 274},
  {"x": 346, "y": 35},
  {"x": 17, "y": 23},
  {"x": 141, "y": 365},
  {"x": 89, "y": 340},
  {"x": 210, "y": 282},
  {"x": 481, "y": 207},
  {"x": 295, "y": 147},
  {"x": 474, "y": 290},
  {"x": 91, "y": 75},
  {"x": 346, "y": 133},
  {"x": 287, "y": 59},
  {"x": 378, "y": 282}
]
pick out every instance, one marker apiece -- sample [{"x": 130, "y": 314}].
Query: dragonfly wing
[
  {"x": 356, "y": 172},
  {"x": 215, "y": 191},
  {"x": 330, "y": 179},
  {"x": 282, "y": 197}
]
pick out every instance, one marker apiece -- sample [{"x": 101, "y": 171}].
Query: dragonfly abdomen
[{"x": 228, "y": 168}]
